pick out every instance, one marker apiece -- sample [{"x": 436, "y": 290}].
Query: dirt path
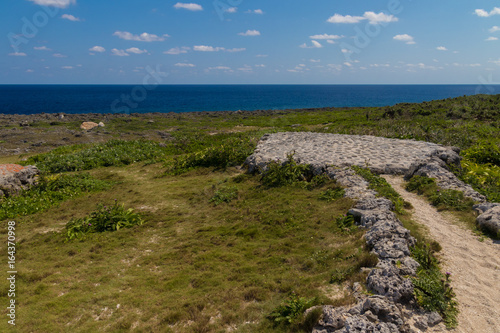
[{"x": 474, "y": 265}]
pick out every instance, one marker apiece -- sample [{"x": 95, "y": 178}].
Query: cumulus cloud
[
  {"x": 441, "y": 48},
  {"x": 29, "y": 71},
  {"x": 494, "y": 29},
  {"x": 231, "y": 10},
  {"x": 136, "y": 50},
  {"x": 490, "y": 39},
  {"x": 59, "y": 55},
  {"x": 177, "y": 50},
  {"x": 221, "y": 68},
  {"x": 404, "y": 38},
  {"x": 70, "y": 18},
  {"x": 250, "y": 33},
  {"x": 183, "y": 64},
  {"x": 97, "y": 49},
  {"x": 189, "y": 6},
  {"x": 54, "y": 3},
  {"x": 67, "y": 67},
  {"x": 144, "y": 37},
  {"x": 372, "y": 17},
  {"x": 236, "y": 49},
  {"x": 119, "y": 53},
  {"x": 326, "y": 36},
  {"x": 17, "y": 54},
  {"x": 484, "y": 13},
  {"x": 42, "y": 48}
]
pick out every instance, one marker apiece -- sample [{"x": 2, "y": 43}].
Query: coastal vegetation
[{"x": 194, "y": 244}]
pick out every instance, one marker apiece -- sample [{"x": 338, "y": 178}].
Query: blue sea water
[{"x": 30, "y": 99}]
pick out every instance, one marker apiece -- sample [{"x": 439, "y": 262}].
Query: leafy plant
[
  {"x": 340, "y": 275},
  {"x": 280, "y": 174},
  {"x": 290, "y": 310},
  {"x": 432, "y": 289},
  {"x": 103, "y": 219},
  {"x": 421, "y": 184},
  {"x": 483, "y": 152},
  {"x": 346, "y": 224},
  {"x": 451, "y": 200},
  {"x": 226, "y": 195},
  {"x": 332, "y": 194},
  {"x": 50, "y": 191}
]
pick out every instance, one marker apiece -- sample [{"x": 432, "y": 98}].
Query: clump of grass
[
  {"x": 103, "y": 219},
  {"x": 111, "y": 153},
  {"x": 383, "y": 188},
  {"x": 229, "y": 153},
  {"x": 432, "y": 288},
  {"x": 346, "y": 224},
  {"x": 291, "y": 311},
  {"x": 421, "y": 185},
  {"x": 332, "y": 194},
  {"x": 224, "y": 195},
  {"x": 50, "y": 191},
  {"x": 451, "y": 200}
]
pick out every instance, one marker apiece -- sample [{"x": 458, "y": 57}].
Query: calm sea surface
[{"x": 29, "y": 99}]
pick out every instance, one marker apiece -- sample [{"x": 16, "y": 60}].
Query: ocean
[{"x": 31, "y": 99}]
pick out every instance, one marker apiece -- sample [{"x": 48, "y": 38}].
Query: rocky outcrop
[
  {"x": 88, "y": 125},
  {"x": 490, "y": 219},
  {"x": 15, "y": 178}
]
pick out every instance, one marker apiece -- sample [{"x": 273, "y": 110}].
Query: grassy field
[{"x": 218, "y": 250}]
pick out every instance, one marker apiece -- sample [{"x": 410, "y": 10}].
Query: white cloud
[
  {"x": 315, "y": 45},
  {"x": 189, "y": 6},
  {"x": 120, "y": 53},
  {"x": 262, "y": 55},
  {"x": 177, "y": 50},
  {"x": 29, "y": 71},
  {"x": 246, "y": 68},
  {"x": 494, "y": 29},
  {"x": 404, "y": 38},
  {"x": 372, "y": 17},
  {"x": 256, "y": 11},
  {"x": 314, "y": 60},
  {"x": 67, "y": 67},
  {"x": 59, "y": 55},
  {"x": 205, "y": 48},
  {"x": 260, "y": 66},
  {"x": 241, "y": 49},
  {"x": 222, "y": 68},
  {"x": 231, "y": 10},
  {"x": 325, "y": 36},
  {"x": 97, "y": 49},
  {"x": 18, "y": 54},
  {"x": 337, "y": 18},
  {"x": 70, "y": 17},
  {"x": 250, "y": 33},
  {"x": 136, "y": 50},
  {"x": 42, "y": 48},
  {"x": 441, "y": 48},
  {"x": 183, "y": 64},
  {"x": 54, "y": 3},
  {"x": 490, "y": 39},
  {"x": 144, "y": 37},
  {"x": 483, "y": 13},
  {"x": 348, "y": 64}
]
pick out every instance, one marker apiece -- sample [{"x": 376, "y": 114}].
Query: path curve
[{"x": 474, "y": 265}]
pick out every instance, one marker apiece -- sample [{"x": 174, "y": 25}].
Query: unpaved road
[{"x": 474, "y": 265}]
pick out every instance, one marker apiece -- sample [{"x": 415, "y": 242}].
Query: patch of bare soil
[{"x": 474, "y": 265}]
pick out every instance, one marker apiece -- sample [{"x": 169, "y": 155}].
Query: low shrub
[
  {"x": 332, "y": 194},
  {"x": 224, "y": 195},
  {"x": 484, "y": 152},
  {"x": 432, "y": 288},
  {"x": 291, "y": 311},
  {"x": 280, "y": 174},
  {"x": 346, "y": 224},
  {"x": 50, "y": 191},
  {"x": 105, "y": 218},
  {"x": 421, "y": 185},
  {"x": 451, "y": 200}
]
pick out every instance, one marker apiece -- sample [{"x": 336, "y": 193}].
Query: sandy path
[{"x": 474, "y": 265}]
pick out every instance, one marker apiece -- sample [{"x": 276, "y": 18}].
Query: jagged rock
[
  {"x": 490, "y": 220},
  {"x": 386, "y": 281},
  {"x": 88, "y": 125},
  {"x": 101, "y": 124},
  {"x": 15, "y": 178},
  {"x": 485, "y": 206},
  {"x": 433, "y": 319}
]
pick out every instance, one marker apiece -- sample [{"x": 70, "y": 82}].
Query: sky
[{"x": 250, "y": 42}]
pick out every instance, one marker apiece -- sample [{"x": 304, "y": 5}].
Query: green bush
[
  {"x": 484, "y": 178},
  {"x": 421, "y": 184},
  {"x": 50, "y": 191},
  {"x": 111, "y": 153},
  {"x": 332, "y": 194},
  {"x": 346, "y": 224},
  {"x": 451, "y": 200},
  {"x": 290, "y": 311},
  {"x": 484, "y": 152},
  {"x": 231, "y": 152},
  {"x": 105, "y": 218},
  {"x": 282, "y": 174},
  {"x": 432, "y": 288}
]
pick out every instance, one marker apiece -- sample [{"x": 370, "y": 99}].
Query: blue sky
[{"x": 250, "y": 41}]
